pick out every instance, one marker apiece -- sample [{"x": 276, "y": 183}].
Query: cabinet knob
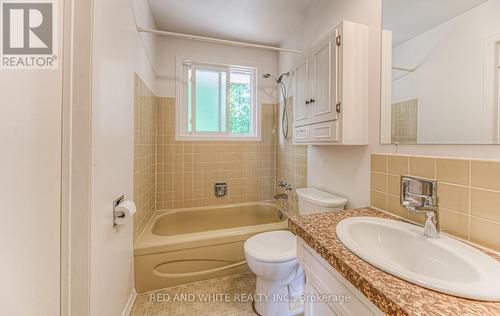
[
  {"x": 312, "y": 100},
  {"x": 307, "y": 102}
]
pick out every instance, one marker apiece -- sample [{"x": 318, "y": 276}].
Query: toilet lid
[{"x": 274, "y": 246}]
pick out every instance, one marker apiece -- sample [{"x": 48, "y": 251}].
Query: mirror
[{"x": 440, "y": 72}]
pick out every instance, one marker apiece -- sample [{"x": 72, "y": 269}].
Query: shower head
[
  {"x": 282, "y": 86},
  {"x": 279, "y": 79}
]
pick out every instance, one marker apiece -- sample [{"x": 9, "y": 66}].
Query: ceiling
[
  {"x": 258, "y": 21},
  {"x": 409, "y": 18}
]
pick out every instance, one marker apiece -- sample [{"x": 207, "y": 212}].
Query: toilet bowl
[{"x": 272, "y": 256}]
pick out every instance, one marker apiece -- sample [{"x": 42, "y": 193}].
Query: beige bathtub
[{"x": 188, "y": 245}]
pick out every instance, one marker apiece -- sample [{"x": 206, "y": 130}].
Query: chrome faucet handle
[
  {"x": 285, "y": 185},
  {"x": 430, "y": 201}
]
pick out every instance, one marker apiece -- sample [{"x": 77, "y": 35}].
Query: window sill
[{"x": 218, "y": 138}]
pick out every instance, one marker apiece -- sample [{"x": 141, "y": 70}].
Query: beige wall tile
[
  {"x": 423, "y": 167},
  {"x": 454, "y": 197},
  {"x": 378, "y": 181},
  {"x": 485, "y": 204},
  {"x": 145, "y": 112},
  {"x": 379, "y": 163},
  {"x": 485, "y": 233},
  {"x": 416, "y": 217},
  {"x": 394, "y": 207},
  {"x": 460, "y": 195},
  {"x": 485, "y": 174},
  {"x": 454, "y": 223},
  {"x": 393, "y": 185},
  {"x": 378, "y": 200},
  {"x": 453, "y": 171},
  {"x": 398, "y": 165},
  {"x": 291, "y": 162}
]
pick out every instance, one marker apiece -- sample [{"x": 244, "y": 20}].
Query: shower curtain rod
[
  {"x": 216, "y": 40},
  {"x": 404, "y": 69}
]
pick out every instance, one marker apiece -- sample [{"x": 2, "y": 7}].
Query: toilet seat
[{"x": 274, "y": 246}]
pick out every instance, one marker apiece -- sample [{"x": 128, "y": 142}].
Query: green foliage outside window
[{"x": 240, "y": 109}]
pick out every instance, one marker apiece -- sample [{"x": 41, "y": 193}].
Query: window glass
[
  {"x": 207, "y": 100},
  {"x": 241, "y": 102}
]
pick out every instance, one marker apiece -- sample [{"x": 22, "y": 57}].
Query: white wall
[
  {"x": 454, "y": 65},
  {"x": 30, "y": 189},
  {"x": 342, "y": 170},
  {"x": 146, "y": 46},
  {"x": 266, "y": 61},
  {"x": 118, "y": 52}
]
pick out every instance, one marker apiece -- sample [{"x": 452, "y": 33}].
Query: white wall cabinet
[
  {"x": 331, "y": 89},
  {"x": 323, "y": 280}
]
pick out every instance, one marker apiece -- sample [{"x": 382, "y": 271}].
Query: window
[{"x": 217, "y": 102}]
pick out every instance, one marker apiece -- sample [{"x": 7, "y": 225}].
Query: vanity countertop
[{"x": 392, "y": 295}]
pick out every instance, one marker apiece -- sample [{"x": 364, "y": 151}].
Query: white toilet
[{"x": 272, "y": 256}]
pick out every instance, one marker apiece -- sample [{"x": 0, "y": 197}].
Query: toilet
[{"x": 272, "y": 256}]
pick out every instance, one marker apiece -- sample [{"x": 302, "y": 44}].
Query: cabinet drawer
[{"x": 324, "y": 132}]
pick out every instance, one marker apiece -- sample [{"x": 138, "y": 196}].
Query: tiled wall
[
  {"x": 291, "y": 161},
  {"x": 187, "y": 171},
  {"x": 173, "y": 174},
  {"x": 404, "y": 122},
  {"x": 468, "y": 192},
  {"x": 144, "y": 154}
]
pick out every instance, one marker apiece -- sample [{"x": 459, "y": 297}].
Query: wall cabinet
[
  {"x": 331, "y": 89},
  {"x": 323, "y": 280}
]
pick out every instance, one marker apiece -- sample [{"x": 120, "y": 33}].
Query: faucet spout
[
  {"x": 431, "y": 225},
  {"x": 282, "y": 196},
  {"x": 431, "y": 228}
]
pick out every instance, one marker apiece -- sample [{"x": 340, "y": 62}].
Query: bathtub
[{"x": 187, "y": 245}]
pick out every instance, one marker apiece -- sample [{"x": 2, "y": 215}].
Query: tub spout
[{"x": 282, "y": 196}]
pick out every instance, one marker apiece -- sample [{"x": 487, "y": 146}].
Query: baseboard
[{"x": 130, "y": 303}]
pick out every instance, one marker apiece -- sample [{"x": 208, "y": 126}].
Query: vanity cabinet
[
  {"x": 331, "y": 89},
  {"x": 322, "y": 280}
]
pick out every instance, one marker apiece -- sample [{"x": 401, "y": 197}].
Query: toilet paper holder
[{"x": 118, "y": 214}]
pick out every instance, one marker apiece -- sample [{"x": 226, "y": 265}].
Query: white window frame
[
  {"x": 182, "y": 132},
  {"x": 497, "y": 88}
]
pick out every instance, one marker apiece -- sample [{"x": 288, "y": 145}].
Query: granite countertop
[{"x": 392, "y": 295}]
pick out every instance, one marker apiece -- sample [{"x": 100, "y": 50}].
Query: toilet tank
[{"x": 312, "y": 201}]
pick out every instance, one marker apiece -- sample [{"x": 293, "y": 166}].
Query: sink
[{"x": 442, "y": 264}]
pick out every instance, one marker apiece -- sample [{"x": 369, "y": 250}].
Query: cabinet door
[
  {"x": 317, "y": 308},
  {"x": 323, "y": 83},
  {"x": 300, "y": 100}
]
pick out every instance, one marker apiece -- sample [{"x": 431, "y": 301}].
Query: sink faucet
[
  {"x": 431, "y": 226},
  {"x": 420, "y": 196}
]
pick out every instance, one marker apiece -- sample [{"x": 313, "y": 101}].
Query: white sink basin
[{"x": 442, "y": 264}]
